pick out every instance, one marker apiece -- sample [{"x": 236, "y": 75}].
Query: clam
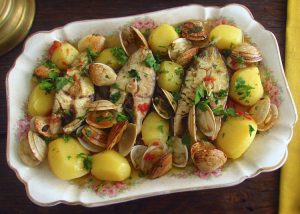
[
  {"x": 152, "y": 154},
  {"x": 101, "y": 119},
  {"x": 116, "y": 133},
  {"x": 264, "y": 113},
  {"x": 136, "y": 155},
  {"x": 178, "y": 47},
  {"x": 193, "y": 30},
  {"x": 91, "y": 138},
  {"x": 203, "y": 121},
  {"x": 127, "y": 140},
  {"x": 41, "y": 125},
  {"x": 75, "y": 124},
  {"x": 187, "y": 56},
  {"x": 32, "y": 149},
  {"x": 164, "y": 104},
  {"x": 132, "y": 39},
  {"x": 206, "y": 157},
  {"x": 101, "y": 74},
  {"x": 101, "y": 105},
  {"x": 179, "y": 153},
  {"x": 161, "y": 166}
]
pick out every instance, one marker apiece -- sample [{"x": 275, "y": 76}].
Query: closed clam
[
  {"x": 187, "y": 56},
  {"x": 92, "y": 139},
  {"x": 179, "y": 153},
  {"x": 164, "y": 104},
  {"x": 101, "y": 74},
  {"x": 116, "y": 133},
  {"x": 178, "y": 47},
  {"x": 194, "y": 30},
  {"x": 132, "y": 39},
  {"x": 32, "y": 149},
  {"x": 264, "y": 113},
  {"x": 206, "y": 157}
]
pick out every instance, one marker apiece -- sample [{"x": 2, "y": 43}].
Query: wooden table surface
[{"x": 257, "y": 195}]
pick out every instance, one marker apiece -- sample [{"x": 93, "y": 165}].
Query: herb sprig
[
  {"x": 242, "y": 89},
  {"x": 87, "y": 160},
  {"x": 120, "y": 55},
  {"x": 151, "y": 62}
]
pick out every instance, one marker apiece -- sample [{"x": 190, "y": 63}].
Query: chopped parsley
[
  {"x": 120, "y": 55},
  {"x": 178, "y": 29},
  {"x": 115, "y": 97},
  {"x": 87, "y": 160},
  {"x": 201, "y": 100},
  {"x": 69, "y": 157},
  {"x": 219, "y": 111},
  {"x": 151, "y": 62},
  {"x": 176, "y": 95},
  {"x": 179, "y": 71},
  {"x": 240, "y": 60},
  {"x": 115, "y": 86},
  {"x": 62, "y": 81},
  {"x": 66, "y": 138},
  {"x": 121, "y": 117},
  {"x": 195, "y": 30},
  {"x": 251, "y": 129},
  {"x": 169, "y": 141},
  {"x": 104, "y": 118},
  {"x": 156, "y": 56},
  {"x": 200, "y": 93},
  {"x": 214, "y": 65},
  {"x": 49, "y": 64},
  {"x": 242, "y": 89},
  {"x": 88, "y": 132},
  {"x": 54, "y": 82},
  {"x": 91, "y": 55},
  {"x": 161, "y": 128},
  {"x": 134, "y": 74}
]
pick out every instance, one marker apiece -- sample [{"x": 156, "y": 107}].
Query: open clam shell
[
  {"x": 177, "y": 47},
  {"x": 101, "y": 119},
  {"x": 170, "y": 99},
  {"x": 136, "y": 155},
  {"x": 101, "y": 74},
  {"x": 260, "y": 110},
  {"x": 132, "y": 39},
  {"x": 25, "y": 153},
  {"x": 206, "y": 157},
  {"x": 179, "y": 153},
  {"x": 127, "y": 140},
  {"x": 205, "y": 121},
  {"x": 41, "y": 125},
  {"x": 92, "y": 139},
  {"x": 75, "y": 124},
  {"x": 270, "y": 120},
  {"x": 192, "y": 124},
  {"x": 164, "y": 104},
  {"x": 37, "y": 146},
  {"x": 161, "y": 166},
  {"x": 101, "y": 105},
  {"x": 116, "y": 133}
]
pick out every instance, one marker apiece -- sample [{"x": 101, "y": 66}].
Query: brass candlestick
[{"x": 16, "y": 18}]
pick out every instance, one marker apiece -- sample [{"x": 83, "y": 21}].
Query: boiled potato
[
  {"x": 232, "y": 142},
  {"x": 161, "y": 37},
  {"x": 154, "y": 129},
  {"x": 40, "y": 103},
  {"x": 110, "y": 166},
  {"x": 246, "y": 87},
  {"x": 107, "y": 57},
  {"x": 93, "y": 41},
  {"x": 226, "y": 36},
  {"x": 113, "y": 41},
  {"x": 63, "y": 55},
  {"x": 64, "y": 158},
  {"x": 170, "y": 76}
]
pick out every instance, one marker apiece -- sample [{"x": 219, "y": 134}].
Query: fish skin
[
  {"x": 141, "y": 90},
  {"x": 208, "y": 63}
]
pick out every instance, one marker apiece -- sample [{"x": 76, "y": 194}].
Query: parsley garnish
[
  {"x": 115, "y": 97},
  {"x": 69, "y": 157},
  {"x": 88, "y": 132},
  {"x": 87, "y": 160},
  {"x": 195, "y": 30},
  {"x": 103, "y": 118},
  {"x": 62, "y": 81},
  {"x": 201, "y": 100},
  {"x": 179, "y": 71},
  {"x": 49, "y": 64},
  {"x": 120, "y": 54},
  {"x": 242, "y": 89},
  {"x": 66, "y": 138},
  {"x": 251, "y": 129},
  {"x": 134, "y": 74},
  {"x": 156, "y": 56},
  {"x": 240, "y": 60},
  {"x": 178, "y": 29},
  {"x": 91, "y": 55},
  {"x": 214, "y": 65},
  {"x": 170, "y": 140},
  {"x": 176, "y": 95},
  {"x": 200, "y": 93},
  {"x": 219, "y": 111},
  {"x": 121, "y": 117},
  {"x": 115, "y": 86},
  {"x": 160, "y": 128},
  {"x": 151, "y": 62}
]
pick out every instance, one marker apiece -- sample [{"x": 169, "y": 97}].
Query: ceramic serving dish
[{"x": 268, "y": 152}]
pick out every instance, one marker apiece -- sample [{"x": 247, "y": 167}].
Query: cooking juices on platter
[{"x": 146, "y": 100}]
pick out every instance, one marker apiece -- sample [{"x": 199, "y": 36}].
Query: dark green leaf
[
  {"x": 200, "y": 93},
  {"x": 176, "y": 95},
  {"x": 62, "y": 81},
  {"x": 115, "y": 97},
  {"x": 186, "y": 140},
  {"x": 47, "y": 85},
  {"x": 120, "y": 55},
  {"x": 66, "y": 138},
  {"x": 121, "y": 117},
  {"x": 151, "y": 62},
  {"x": 251, "y": 129},
  {"x": 134, "y": 74},
  {"x": 104, "y": 118},
  {"x": 87, "y": 160},
  {"x": 178, "y": 29},
  {"x": 88, "y": 132}
]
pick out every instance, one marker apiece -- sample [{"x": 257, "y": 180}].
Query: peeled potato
[
  {"x": 107, "y": 57},
  {"x": 40, "y": 103},
  {"x": 64, "y": 159},
  {"x": 251, "y": 77},
  {"x": 161, "y": 37},
  {"x": 154, "y": 129},
  {"x": 93, "y": 41},
  {"x": 170, "y": 76},
  {"x": 110, "y": 166},
  {"x": 63, "y": 55},
  {"x": 232, "y": 142},
  {"x": 226, "y": 36}
]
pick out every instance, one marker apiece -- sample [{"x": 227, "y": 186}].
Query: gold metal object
[{"x": 16, "y": 18}]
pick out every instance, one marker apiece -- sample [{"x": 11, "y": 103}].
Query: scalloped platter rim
[{"x": 268, "y": 152}]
